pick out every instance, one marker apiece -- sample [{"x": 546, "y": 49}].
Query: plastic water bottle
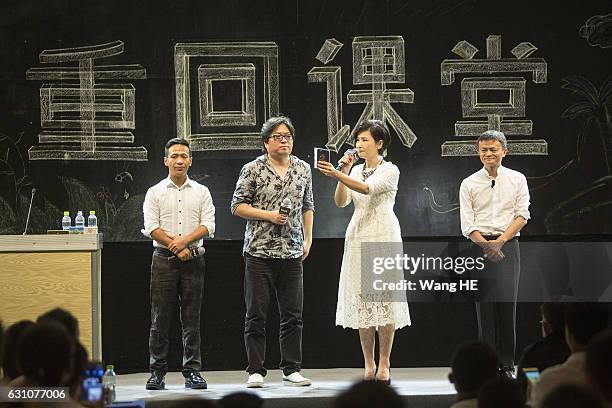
[
  {"x": 66, "y": 221},
  {"x": 79, "y": 222},
  {"x": 92, "y": 223},
  {"x": 109, "y": 380}
]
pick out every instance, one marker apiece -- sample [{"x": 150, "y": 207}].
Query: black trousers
[
  {"x": 496, "y": 305},
  {"x": 172, "y": 281},
  {"x": 262, "y": 276}
]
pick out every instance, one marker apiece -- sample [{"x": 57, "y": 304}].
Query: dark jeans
[
  {"x": 262, "y": 276},
  {"x": 496, "y": 308},
  {"x": 172, "y": 281}
]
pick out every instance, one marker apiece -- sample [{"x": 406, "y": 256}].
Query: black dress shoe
[
  {"x": 156, "y": 381},
  {"x": 387, "y": 381},
  {"x": 194, "y": 380}
]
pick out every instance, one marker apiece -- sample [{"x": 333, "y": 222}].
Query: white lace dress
[{"x": 372, "y": 221}]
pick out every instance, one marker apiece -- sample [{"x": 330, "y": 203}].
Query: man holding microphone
[{"x": 274, "y": 194}]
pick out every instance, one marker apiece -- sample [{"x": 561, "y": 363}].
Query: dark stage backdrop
[
  {"x": 90, "y": 91},
  {"x": 437, "y": 327}
]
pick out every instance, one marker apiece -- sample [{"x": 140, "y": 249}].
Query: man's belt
[
  {"x": 491, "y": 237},
  {"x": 163, "y": 252},
  {"x": 195, "y": 252}
]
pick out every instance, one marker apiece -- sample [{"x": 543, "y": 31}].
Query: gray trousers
[{"x": 174, "y": 281}]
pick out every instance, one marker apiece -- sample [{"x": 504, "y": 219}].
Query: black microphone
[
  {"x": 285, "y": 207},
  {"x": 492, "y": 183},
  {"x": 197, "y": 251},
  {"x": 29, "y": 211},
  {"x": 349, "y": 152}
]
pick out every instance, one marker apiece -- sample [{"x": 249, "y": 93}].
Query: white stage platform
[{"x": 327, "y": 383}]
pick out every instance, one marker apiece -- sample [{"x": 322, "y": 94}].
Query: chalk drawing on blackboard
[
  {"x": 123, "y": 176},
  {"x": 329, "y": 50},
  {"x": 523, "y": 50},
  {"x": 598, "y": 31},
  {"x": 433, "y": 204},
  {"x": 380, "y": 61},
  {"x": 332, "y": 76},
  {"x": 127, "y": 180},
  {"x": 377, "y": 61},
  {"x": 81, "y": 117},
  {"x": 596, "y": 119},
  {"x": 337, "y": 133},
  {"x": 221, "y": 66},
  {"x": 14, "y": 175},
  {"x": 465, "y": 50},
  {"x": 211, "y": 74},
  {"x": 476, "y": 93}
]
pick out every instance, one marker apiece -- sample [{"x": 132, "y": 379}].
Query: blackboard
[{"x": 152, "y": 70}]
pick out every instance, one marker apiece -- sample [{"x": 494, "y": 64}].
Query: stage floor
[{"x": 327, "y": 383}]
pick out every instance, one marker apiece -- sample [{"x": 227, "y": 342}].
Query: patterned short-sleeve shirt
[{"x": 259, "y": 186}]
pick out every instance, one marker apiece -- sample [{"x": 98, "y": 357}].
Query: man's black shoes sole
[
  {"x": 156, "y": 381},
  {"x": 196, "y": 386},
  {"x": 194, "y": 381},
  {"x": 151, "y": 386}
]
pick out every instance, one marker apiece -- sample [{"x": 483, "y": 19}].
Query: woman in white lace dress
[{"x": 371, "y": 187}]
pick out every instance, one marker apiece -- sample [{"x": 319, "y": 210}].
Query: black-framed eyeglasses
[{"x": 280, "y": 136}]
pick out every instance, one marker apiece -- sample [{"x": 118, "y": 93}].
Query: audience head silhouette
[
  {"x": 369, "y": 394},
  {"x": 501, "y": 392},
  {"x": 64, "y": 317},
  {"x": 9, "y": 353},
  {"x": 598, "y": 364},
  {"x": 241, "y": 400},
  {"x": 582, "y": 322},
  {"x": 45, "y": 353},
  {"x": 570, "y": 396},
  {"x": 473, "y": 364}
]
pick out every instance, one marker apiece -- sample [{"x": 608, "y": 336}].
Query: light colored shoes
[
  {"x": 255, "y": 380},
  {"x": 296, "y": 379}
]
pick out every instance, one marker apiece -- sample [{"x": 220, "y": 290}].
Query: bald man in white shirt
[
  {"x": 178, "y": 214},
  {"x": 494, "y": 208}
]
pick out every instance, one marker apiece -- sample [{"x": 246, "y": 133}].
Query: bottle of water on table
[
  {"x": 66, "y": 221},
  {"x": 92, "y": 223},
  {"x": 109, "y": 380},
  {"x": 79, "y": 222}
]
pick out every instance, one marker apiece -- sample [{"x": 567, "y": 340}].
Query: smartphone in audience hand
[
  {"x": 92, "y": 389},
  {"x": 532, "y": 374}
]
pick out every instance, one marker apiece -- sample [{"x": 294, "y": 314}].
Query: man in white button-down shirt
[
  {"x": 494, "y": 208},
  {"x": 178, "y": 213}
]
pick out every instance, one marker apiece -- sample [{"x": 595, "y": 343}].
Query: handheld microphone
[
  {"x": 349, "y": 152},
  {"x": 285, "y": 207},
  {"x": 29, "y": 211},
  {"x": 197, "y": 251},
  {"x": 492, "y": 183}
]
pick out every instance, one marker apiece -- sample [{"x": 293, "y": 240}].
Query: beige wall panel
[{"x": 32, "y": 283}]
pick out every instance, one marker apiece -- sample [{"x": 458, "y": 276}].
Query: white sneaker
[
  {"x": 255, "y": 380},
  {"x": 296, "y": 380}
]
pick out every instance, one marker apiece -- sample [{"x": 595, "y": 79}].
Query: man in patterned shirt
[{"x": 275, "y": 244}]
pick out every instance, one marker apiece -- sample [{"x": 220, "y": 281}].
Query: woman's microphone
[{"x": 349, "y": 152}]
